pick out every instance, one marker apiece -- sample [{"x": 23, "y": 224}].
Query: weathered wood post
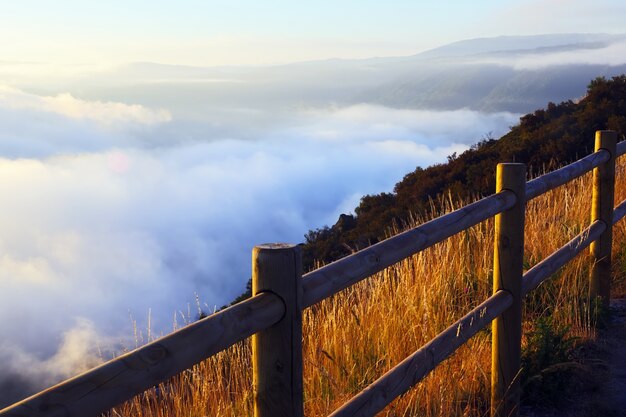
[
  {"x": 507, "y": 276},
  {"x": 277, "y": 351},
  {"x": 602, "y": 209}
]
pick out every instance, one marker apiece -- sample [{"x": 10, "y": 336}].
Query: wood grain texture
[
  {"x": 277, "y": 351},
  {"x": 554, "y": 179},
  {"x": 544, "y": 269},
  {"x": 507, "y": 276},
  {"x": 414, "y": 368},
  {"x": 118, "y": 380},
  {"x": 602, "y": 210},
  {"x": 341, "y": 274}
]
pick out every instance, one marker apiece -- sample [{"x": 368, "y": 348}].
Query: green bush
[{"x": 547, "y": 345}]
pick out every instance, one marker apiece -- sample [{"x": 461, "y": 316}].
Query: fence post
[
  {"x": 277, "y": 351},
  {"x": 507, "y": 276},
  {"x": 602, "y": 209}
]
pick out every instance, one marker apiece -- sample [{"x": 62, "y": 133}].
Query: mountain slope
[
  {"x": 544, "y": 139},
  {"x": 523, "y": 44}
]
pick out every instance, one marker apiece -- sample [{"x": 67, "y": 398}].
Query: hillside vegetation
[
  {"x": 352, "y": 338},
  {"x": 545, "y": 139}
]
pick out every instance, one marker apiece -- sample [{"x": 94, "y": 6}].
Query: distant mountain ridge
[
  {"x": 462, "y": 48},
  {"x": 523, "y": 44},
  {"x": 508, "y": 73},
  {"x": 480, "y": 74}
]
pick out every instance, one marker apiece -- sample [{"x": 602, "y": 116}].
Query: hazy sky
[{"x": 87, "y": 32}]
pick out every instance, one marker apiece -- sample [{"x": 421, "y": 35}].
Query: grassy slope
[{"x": 352, "y": 338}]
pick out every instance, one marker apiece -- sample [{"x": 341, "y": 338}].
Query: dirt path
[
  {"x": 616, "y": 346},
  {"x": 604, "y": 395}
]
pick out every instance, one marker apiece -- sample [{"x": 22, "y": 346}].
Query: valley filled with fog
[{"x": 131, "y": 192}]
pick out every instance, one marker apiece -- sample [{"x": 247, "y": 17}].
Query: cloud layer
[
  {"x": 107, "y": 212},
  {"x": 612, "y": 54}
]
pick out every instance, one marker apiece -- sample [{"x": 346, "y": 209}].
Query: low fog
[{"x": 118, "y": 215}]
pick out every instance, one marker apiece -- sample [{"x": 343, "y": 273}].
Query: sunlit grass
[{"x": 355, "y": 336}]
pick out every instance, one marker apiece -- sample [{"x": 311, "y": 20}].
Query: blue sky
[{"x": 266, "y": 32}]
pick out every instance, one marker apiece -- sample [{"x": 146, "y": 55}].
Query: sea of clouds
[
  {"x": 116, "y": 217},
  {"x": 612, "y": 54}
]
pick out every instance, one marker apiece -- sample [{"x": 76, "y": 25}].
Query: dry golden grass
[{"x": 355, "y": 336}]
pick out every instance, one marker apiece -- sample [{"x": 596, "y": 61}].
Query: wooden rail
[
  {"x": 118, "y": 380},
  {"x": 273, "y": 314},
  {"x": 544, "y": 269},
  {"x": 561, "y": 176},
  {"x": 332, "y": 278},
  {"x": 410, "y": 371}
]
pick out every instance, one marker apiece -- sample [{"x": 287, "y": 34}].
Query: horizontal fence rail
[
  {"x": 620, "y": 149},
  {"x": 554, "y": 179},
  {"x": 414, "y": 368},
  {"x": 275, "y": 308},
  {"x": 544, "y": 269},
  {"x": 120, "y": 379},
  {"x": 619, "y": 212},
  {"x": 332, "y": 278}
]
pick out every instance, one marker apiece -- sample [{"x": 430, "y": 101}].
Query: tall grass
[{"x": 352, "y": 338}]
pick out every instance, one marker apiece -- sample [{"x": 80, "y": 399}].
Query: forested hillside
[{"x": 545, "y": 139}]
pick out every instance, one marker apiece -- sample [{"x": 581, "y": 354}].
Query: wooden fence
[{"x": 273, "y": 315}]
